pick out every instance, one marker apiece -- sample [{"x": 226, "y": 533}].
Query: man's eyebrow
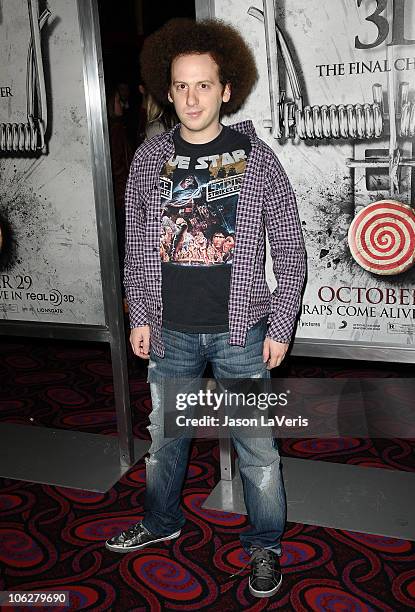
[{"x": 185, "y": 82}]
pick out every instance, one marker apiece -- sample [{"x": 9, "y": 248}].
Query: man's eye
[{"x": 204, "y": 85}]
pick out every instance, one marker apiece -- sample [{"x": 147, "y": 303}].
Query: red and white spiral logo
[{"x": 382, "y": 237}]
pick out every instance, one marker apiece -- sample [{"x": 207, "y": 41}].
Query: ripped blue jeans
[{"x": 186, "y": 355}]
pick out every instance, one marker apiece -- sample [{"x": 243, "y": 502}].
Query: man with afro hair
[{"x": 203, "y": 181}]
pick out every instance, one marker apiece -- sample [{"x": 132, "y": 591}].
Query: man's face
[
  {"x": 218, "y": 240},
  {"x": 197, "y": 95},
  {"x": 187, "y": 182},
  {"x": 124, "y": 90},
  {"x": 228, "y": 244}
]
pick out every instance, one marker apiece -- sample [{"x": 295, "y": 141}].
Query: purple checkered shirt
[{"x": 266, "y": 200}]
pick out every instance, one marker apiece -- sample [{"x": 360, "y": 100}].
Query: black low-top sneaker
[
  {"x": 135, "y": 538},
  {"x": 265, "y": 577}
]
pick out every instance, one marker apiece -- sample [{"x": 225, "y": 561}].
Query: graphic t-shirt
[{"x": 199, "y": 188}]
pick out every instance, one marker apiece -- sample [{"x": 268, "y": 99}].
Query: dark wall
[
  {"x": 154, "y": 14},
  {"x": 125, "y": 24}
]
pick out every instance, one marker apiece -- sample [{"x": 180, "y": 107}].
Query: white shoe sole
[
  {"x": 265, "y": 593},
  {"x": 120, "y": 549}
]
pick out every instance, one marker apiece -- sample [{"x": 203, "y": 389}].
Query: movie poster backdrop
[
  {"x": 49, "y": 258},
  {"x": 336, "y": 102}
]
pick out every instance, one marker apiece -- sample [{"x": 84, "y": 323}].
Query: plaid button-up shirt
[{"x": 266, "y": 200}]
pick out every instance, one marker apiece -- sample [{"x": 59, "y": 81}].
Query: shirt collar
[{"x": 246, "y": 127}]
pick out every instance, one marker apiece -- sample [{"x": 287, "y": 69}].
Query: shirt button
[
  {"x": 155, "y": 249},
  {"x": 156, "y": 218}
]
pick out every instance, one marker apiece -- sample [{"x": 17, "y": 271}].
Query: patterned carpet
[{"x": 51, "y": 537}]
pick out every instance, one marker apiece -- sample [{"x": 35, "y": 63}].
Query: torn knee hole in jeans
[
  {"x": 152, "y": 377},
  {"x": 266, "y": 476}
]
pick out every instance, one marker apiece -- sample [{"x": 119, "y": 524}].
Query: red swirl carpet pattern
[{"x": 51, "y": 538}]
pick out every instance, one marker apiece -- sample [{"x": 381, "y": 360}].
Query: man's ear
[
  {"x": 226, "y": 96},
  {"x": 170, "y": 99}
]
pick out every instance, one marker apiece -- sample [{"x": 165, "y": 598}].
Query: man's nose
[{"x": 192, "y": 98}]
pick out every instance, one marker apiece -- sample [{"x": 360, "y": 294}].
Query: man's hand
[
  {"x": 140, "y": 341},
  {"x": 273, "y": 352}
]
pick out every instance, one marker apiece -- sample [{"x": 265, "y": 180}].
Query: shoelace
[
  {"x": 133, "y": 531},
  {"x": 262, "y": 555}
]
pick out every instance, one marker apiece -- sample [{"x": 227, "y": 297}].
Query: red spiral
[{"x": 382, "y": 237}]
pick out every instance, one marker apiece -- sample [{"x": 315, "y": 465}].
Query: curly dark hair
[{"x": 181, "y": 36}]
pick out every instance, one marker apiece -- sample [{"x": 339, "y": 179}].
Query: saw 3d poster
[
  {"x": 335, "y": 100},
  {"x": 49, "y": 258}
]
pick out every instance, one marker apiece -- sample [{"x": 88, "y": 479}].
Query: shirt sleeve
[
  {"x": 135, "y": 226},
  {"x": 287, "y": 251}
]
